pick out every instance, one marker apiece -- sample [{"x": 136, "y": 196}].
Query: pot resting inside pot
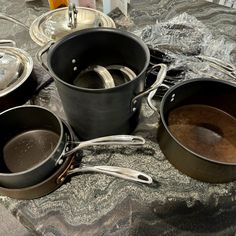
[
  {"x": 96, "y": 47},
  {"x": 99, "y": 112}
]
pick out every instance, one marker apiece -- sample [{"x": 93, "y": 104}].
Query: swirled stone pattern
[{"x": 97, "y": 204}]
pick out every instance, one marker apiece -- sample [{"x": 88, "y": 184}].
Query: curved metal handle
[
  {"x": 120, "y": 172},
  {"x": 227, "y": 66},
  {"x": 108, "y": 140},
  {"x": 229, "y": 72},
  {"x": 8, "y": 41},
  {"x": 151, "y": 95},
  {"x": 160, "y": 77},
  {"x": 11, "y": 19},
  {"x": 72, "y": 16},
  {"x": 41, "y": 52}
]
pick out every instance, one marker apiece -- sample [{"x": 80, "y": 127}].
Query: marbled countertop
[{"x": 97, "y": 204}]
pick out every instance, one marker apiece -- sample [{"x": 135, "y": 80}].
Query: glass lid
[{"x": 55, "y": 24}]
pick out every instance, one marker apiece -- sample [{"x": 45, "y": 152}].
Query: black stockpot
[{"x": 98, "y": 112}]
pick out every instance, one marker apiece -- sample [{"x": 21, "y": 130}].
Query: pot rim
[
  {"x": 28, "y": 68},
  {"x": 51, "y": 155},
  {"x": 164, "y": 100},
  {"x": 94, "y": 30}
]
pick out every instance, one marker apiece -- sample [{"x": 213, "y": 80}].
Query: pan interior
[
  {"x": 205, "y": 130},
  {"x": 28, "y": 149}
]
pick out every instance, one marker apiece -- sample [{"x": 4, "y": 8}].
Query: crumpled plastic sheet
[{"x": 182, "y": 38}]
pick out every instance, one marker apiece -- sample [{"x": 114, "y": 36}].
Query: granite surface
[{"x": 97, "y": 204}]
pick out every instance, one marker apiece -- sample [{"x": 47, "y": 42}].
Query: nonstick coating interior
[
  {"x": 205, "y": 130},
  {"x": 28, "y": 149},
  {"x": 219, "y": 96},
  {"x": 99, "y": 46},
  {"x": 27, "y": 140}
]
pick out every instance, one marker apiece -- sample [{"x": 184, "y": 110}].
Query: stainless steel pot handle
[
  {"x": 41, "y": 52},
  {"x": 8, "y": 41},
  {"x": 226, "y": 66},
  {"x": 72, "y": 16},
  {"x": 11, "y": 19},
  {"x": 160, "y": 77},
  {"x": 108, "y": 140},
  {"x": 151, "y": 95},
  {"x": 120, "y": 172}
]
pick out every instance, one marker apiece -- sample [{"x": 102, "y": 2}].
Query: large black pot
[
  {"x": 200, "y": 141},
  {"x": 98, "y": 112}
]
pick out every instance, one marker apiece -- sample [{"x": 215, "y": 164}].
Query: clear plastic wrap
[{"x": 184, "y": 39}]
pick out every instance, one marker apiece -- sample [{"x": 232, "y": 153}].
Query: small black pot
[
  {"x": 219, "y": 96},
  {"x": 98, "y": 112}
]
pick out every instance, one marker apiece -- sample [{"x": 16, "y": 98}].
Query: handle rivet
[
  {"x": 60, "y": 162},
  {"x": 134, "y": 109},
  {"x": 62, "y": 179}
]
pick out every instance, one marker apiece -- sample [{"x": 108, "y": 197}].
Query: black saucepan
[
  {"x": 70, "y": 165},
  {"x": 34, "y": 143},
  {"x": 197, "y": 131}
]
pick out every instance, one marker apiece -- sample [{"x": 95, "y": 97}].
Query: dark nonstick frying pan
[
  {"x": 197, "y": 131},
  {"x": 34, "y": 144}
]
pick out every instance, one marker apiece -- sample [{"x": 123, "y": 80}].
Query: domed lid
[
  {"x": 15, "y": 67},
  {"x": 55, "y": 24}
]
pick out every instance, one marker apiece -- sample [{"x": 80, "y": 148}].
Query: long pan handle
[
  {"x": 120, "y": 172},
  {"x": 108, "y": 140}
]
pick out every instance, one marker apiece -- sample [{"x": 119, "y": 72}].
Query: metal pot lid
[
  {"x": 15, "y": 67},
  {"x": 53, "y": 25}
]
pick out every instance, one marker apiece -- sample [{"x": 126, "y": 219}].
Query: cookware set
[{"x": 102, "y": 74}]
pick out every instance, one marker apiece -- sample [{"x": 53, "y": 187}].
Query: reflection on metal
[
  {"x": 72, "y": 15},
  {"x": 15, "y": 67},
  {"x": 54, "y": 25},
  {"x": 97, "y": 77}
]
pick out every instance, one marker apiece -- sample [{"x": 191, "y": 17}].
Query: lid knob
[{"x": 72, "y": 13}]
